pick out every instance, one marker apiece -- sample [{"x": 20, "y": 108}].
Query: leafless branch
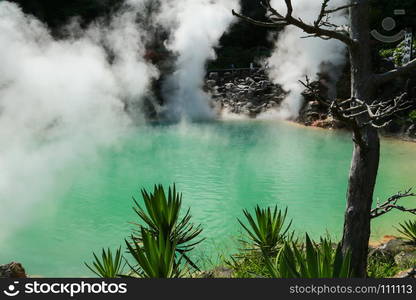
[
  {"x": 378, "y": 114},
  {"x": 330, "y": 11},
  {"x": 391, "y": 204},
  {"x": 278, "y": 19},
  {"x": 322, "y": 14},
  {"x": 338, "y": 109},
  {"x": 358, "y": 114},
  {"x": 325, "y": 13},
  {"x": 314, "y": 91}
]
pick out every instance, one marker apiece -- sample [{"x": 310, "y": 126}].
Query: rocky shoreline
[
  {"x": 391, "y": 250},
  {"x": 249, "y": 93}
]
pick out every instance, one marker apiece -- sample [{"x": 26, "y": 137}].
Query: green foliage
[
  {"x": 161, "y": 217},
  {"x": 248, "y": 264},
  {"x": 386, "y": 53},
  {"x": 155, "y": 258},
  {"x": 314, "y": 261},
  {"x": 396, "y": 53},
  {"x": 160, "y": 243},
  {"x": 381, "y": 267},
  {"x": 108, "y": 266},
  {"x": 412, "y": 115},
  {"x": 408, "y": 230},
  {"x": 267, "y": 230}
]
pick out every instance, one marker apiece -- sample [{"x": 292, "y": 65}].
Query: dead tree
[{"x": 362, "y": 111}]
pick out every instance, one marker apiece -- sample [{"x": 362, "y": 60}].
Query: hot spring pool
[{"x": 221, "y": 168}]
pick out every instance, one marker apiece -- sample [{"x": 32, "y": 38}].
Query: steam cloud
[
  {"x": 198, "y": 26},
  {"x": 294, "y": 56},
  {"x": 61, "y": 101}
]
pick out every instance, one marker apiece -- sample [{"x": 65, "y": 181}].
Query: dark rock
[
  {"x": 395, "y": 246},
  {"x": 213, "y": 76},
  {"x": 229, "y": 86},
  {"x": 211, "y": 83},
  {"x": 12, "y": 270},
  {"x": 405, "y": 259},
  {"x": 411, "y": 131},
  {"x": 249, "y": 80},
  {"x": 249, "y": 95}
]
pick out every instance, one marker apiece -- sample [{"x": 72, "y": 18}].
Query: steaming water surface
[{"x": 221, "y": 168}]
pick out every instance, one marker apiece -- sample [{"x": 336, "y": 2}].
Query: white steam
[
  {"x": 197, "y": 27},
  {"x": 60, "y": 101},
  {"x": 294, "y": 56}
]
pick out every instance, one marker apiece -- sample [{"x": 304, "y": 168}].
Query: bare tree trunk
[
  {"x": 362, "y": 179},
  {"x": 366, "y": 155}
]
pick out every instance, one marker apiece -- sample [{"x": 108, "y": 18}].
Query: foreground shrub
[
  {"x": 160, "y": 242},
  {"x": 267, "y": 230},
  {"x": 408, "y": 230},
  {"x": 108, "y": 266},
  {"x": 381, "y": 267},
  {"x": 248, "y": 264},
  {"x": 161, "y": 218},
  {"x": 310, "y": 261},
  {"x": 155, "y": 258}
]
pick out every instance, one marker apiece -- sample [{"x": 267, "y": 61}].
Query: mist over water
[
  {"x": 221, "y": 168},
  {"x": 61, "y": 101},
  {"x": 75, "y": 145}
]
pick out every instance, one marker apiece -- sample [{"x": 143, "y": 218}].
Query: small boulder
[
  {"x": 411, "y": 131},
  {"x": 229, "y": 86},
  {"x": 398, "y": 245},
  {"x": 249, "y": 80},
  {"x": 12, "y": 270},
  {"x": 211, "y": 83},
  {"x": 405, "y": 259},
  {"x": 213, "y": 76}
]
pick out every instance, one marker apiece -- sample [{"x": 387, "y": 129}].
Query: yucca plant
[
  {"x": 159, "y": 243},
  {"x": 267, "y": 229},
  {"x": 310, "y": 261},
  {"x": 155, "y": 257},
  {"x": 108, "y": 266},
  {"x": 161, "y": 217},
  {"x": 408, "y": 230}
]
